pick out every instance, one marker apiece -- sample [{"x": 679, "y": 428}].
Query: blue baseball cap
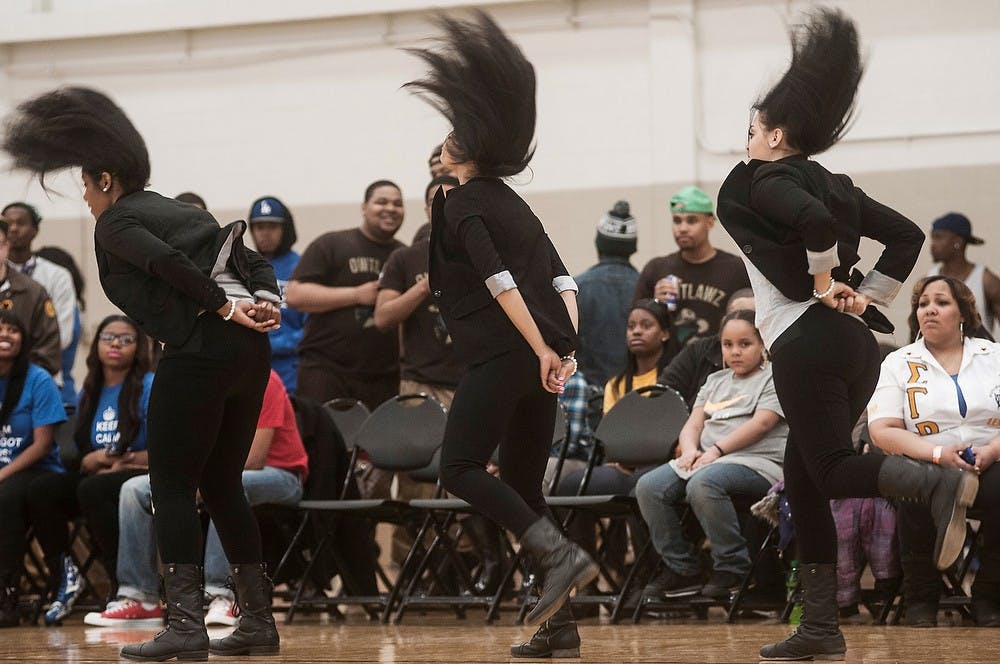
[
  {"x": 957, "y": 223},
  {"x": 267, "y": 209}
]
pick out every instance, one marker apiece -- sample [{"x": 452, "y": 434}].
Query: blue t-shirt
[
  {"x": 285, "y": 340},
  {"x": 40, "y": 404},
  {"x": 104, "y": 429}
]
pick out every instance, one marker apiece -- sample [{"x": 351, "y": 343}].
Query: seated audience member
[
  {"x": 30, "y": 409},
  {"x": 27, "y": 298},
  {"x": 732, "y": 446},
  {"x": 687, "y": 372},
  {"x": 111, "y": 438},
  {"x": 275, "y": 471},
  {"x": 63, "y": 258},
  {"x": 651, "y": 343},
  {"x": 937, "y": 400}
]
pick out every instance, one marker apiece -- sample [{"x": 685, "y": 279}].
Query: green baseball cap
[{"x": 691, "y": 199}]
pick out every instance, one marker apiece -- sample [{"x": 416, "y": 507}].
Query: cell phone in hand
[{"x": 968, "y": 455}]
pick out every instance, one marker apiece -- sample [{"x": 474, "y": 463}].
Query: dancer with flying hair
[
  {"x": 799, "y": 227},
  {"x": 510, "y": 307},
  {"x": 196, "y": 287}
]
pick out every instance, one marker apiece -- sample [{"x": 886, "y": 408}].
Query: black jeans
[
  {"x": 14, "y": 493},
  {"x": 203, "y": 411},
  {"x": 825, "y": 369},
  {"x": 55, "y": 500},
  {"x": 500, "y": 402}
]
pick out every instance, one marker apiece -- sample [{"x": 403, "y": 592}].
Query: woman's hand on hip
[{"x": 838, "y": 295}]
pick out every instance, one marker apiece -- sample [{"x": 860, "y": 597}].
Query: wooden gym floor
[{"x": 440, "y": 638}]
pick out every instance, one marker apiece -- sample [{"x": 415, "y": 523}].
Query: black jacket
[
  {"x": 688, "y": 372},
  {"x": 777, "y": 211},
  {"x": 155, "y": 256},
  {"x": 481, "y": 230}
]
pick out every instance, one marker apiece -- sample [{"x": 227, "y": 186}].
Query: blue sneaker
[{"x": 70, "y": 588}]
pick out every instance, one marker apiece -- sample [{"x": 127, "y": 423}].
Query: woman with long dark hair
[
  {"x": 799, "y": 227},
  {"x": 506, "y": 297},
  {"x": 30, "y": 409},
  {"x": 194, "y": 286},
  {"x": 110, "y": 436},
  {"x": 64, "y": 259}
]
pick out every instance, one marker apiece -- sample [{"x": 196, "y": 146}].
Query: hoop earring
[{"x": 961, "y": 329}]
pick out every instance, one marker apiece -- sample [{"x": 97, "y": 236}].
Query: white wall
[{"x": 636, "y": 97}]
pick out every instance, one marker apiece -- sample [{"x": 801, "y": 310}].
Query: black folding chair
[
  {"x": 640, "y": 430},
  {"x": 349, "y": 415},
  {"x": 401, "y": 435},
  {"x": 441, "y": 514}
]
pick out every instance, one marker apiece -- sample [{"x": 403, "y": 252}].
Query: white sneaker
[{"x": 221, "y": 611}]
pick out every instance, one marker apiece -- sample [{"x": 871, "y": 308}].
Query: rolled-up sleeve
[
  {"x": 474, "y": 236},
  {"x": 902, "y": 240}
]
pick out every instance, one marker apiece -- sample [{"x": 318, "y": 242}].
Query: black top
[
  {"x": 479, "y": 231},
  {"x": 155, "y": 256},
  {"x": 688, "y": 372},
  {"x": 777, "y": 211}
]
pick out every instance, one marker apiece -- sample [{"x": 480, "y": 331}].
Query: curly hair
[
  {"x": 482, "y": 83},
  {"x": 814, "y": 101},
  {"x": 81, "y": 127},
  {"x": 964, "y": 298}
]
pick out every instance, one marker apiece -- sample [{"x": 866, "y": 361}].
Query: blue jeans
[
  {"x": 137, "y": 578},
  {"x": 661, "y": 494}
]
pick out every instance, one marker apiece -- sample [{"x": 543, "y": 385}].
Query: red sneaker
[{"x": 125, "y": 611}]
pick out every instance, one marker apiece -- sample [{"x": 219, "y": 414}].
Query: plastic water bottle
[
  {"x": 671, "y": 300},
  {"x": 792, "y": 592}
]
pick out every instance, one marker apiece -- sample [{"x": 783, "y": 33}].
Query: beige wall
[{"x": 636, "y": 98}]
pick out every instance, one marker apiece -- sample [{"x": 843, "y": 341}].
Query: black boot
[
  {"x": 256, "y": 633},
  {"x": 947, "y": 491},
  {"x": 488, "y": 547},
  {"x": 557, "y": 637},
  {"x": 185, "y": 636},
  {"x": 818, "y": 636},
  {"x": 562, "y": 564},
  {"x": 921, "y": 590},
  {"x": 9, "y": 616}
]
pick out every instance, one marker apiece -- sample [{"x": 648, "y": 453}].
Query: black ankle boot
[
  {"x": 9, "y": 616},
  {"x": 556, "y": 638},
  {"x": 560, "y": 563},
  {"x": 818, "y": 636},
  {"x": 921, "y": 590},
  {"x": 947, "y": 491},
  {"x": 256, "y": 633},
  {"x": 185, "y": 637}
]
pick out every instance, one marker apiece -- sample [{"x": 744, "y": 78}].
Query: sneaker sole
[
  {"x": 586, "y": 575},
  {"x": 954, "y": 537},
  {"x": 98, "y": 621},
  {"x": 682, "y": 592}
]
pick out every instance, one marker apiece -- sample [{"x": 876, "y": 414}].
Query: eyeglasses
[{"x": 123, "y": 339}]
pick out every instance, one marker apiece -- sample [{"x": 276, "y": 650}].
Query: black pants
[
  {"x": 56, "y": 499},
  {"x": 203, "y": 412},
  {"x": 917, "y": 532},
  {"x": 500, "y": 402},
  {"x": 825, "y": 369},
  {"x": 322, "y": 384},
  {"x": 14, "y": 493}
]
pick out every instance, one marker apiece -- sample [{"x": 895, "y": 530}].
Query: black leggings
[
  {"x": 203, "y": 412},
  {"x": 825, "y": 369},
  {"x": 56, "y": 499},
  {"x": 500, "y": 402},
  {"x": 14, "y": 493}
]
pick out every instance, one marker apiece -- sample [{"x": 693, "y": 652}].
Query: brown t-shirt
[
  {"x": 427, "y": 350},
  {"x": 346, "y": 340},
  {"x": 705, "y": 288}
]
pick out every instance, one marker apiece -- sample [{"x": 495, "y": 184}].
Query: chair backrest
[
  {"x": 349, "y": 415},
  {"x": 329, "y": 457},
  {"x": 642, "y": 427},
  {"x": 403, "y": 433}
]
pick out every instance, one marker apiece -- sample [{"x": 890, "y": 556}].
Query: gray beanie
[{"x": 616, "y": 232}]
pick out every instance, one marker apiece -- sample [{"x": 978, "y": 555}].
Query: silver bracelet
[
  {"x": 820, "y": 296},
  {"x": 572, "y": 359},
  {"x": 232, "y": 310}
]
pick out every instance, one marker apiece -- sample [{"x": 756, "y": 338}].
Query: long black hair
[
  {"x": 19, "y": 371},
  {"x": 75, "y": 126},
  {"x": 814, "y": 101},
  {"x": 129, "y": 417},
  {"x": 671, "y": 346},
  {"x": 482, "y": 83}
]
